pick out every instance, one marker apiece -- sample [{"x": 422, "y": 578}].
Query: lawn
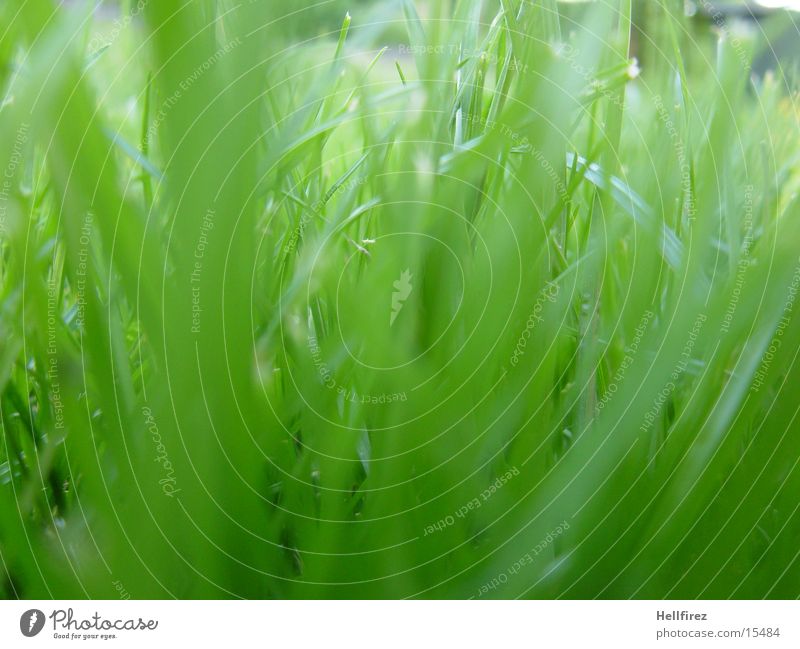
[{"x": 459, "y": 299}]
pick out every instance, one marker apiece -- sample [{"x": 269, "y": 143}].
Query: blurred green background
[{"x": 455, "y": 299}]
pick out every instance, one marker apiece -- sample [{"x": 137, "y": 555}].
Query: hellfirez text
[{"x": 679, "y": 615}]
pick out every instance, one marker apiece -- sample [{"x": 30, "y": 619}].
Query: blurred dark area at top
[{"x": 775, "y": 23}]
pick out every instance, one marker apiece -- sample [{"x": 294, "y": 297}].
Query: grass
[{"x": 497, "y": 312}]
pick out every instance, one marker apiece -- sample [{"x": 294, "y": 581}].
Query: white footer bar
[{"x": 318, "y": 624}]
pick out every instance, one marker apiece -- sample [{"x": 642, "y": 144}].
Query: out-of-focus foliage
[{"x": 479, "y": 308}]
